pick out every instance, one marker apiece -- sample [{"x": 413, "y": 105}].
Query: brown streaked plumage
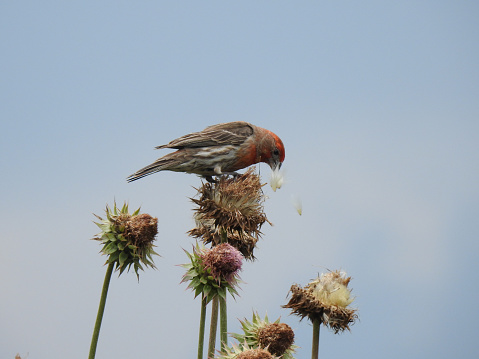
[{"x": 218, "y": 149}]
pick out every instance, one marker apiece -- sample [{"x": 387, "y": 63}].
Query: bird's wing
[{"x": 231, "y": 133}]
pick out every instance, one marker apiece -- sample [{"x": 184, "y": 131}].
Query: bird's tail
[{"x": 157, "y": 166}]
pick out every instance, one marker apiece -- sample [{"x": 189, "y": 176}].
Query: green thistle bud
[{"x": 127, "y": 238}]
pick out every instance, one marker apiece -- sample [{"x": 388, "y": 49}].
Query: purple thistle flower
[{"x": 224, "y": 261}]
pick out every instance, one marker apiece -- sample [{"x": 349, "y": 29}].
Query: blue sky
[{"x": 376, "y": 103}]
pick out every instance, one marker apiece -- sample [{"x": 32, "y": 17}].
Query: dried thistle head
[
  {"x": 277, "y": 337},
  {"x": 257, "y": 353},
  {"x": 207, "y": 273},
  {"x": 231, "y": 210},
  {"x": 127, "y": 238},
  {"x": 326, "y": 299},
  {"x": 243, "y": 351},
  {"x": 332, "y": 289}
]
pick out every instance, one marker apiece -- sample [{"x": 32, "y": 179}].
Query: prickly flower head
[
  {"x": 210, "y": 274},
  {"x": 277, "y": 337},
  {"x": 245, "y": 352},
  {"x": 127, "y": 238},
  {"x": 231, "y": 210},
  {"x": 257, "y": 353},
  {"x": 325, "y": 298},
  {"x": 223, "y": 261}
]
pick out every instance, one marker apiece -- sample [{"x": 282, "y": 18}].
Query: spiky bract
[
  {"x": 205, "y": 275},
  {"x": 231, "y": 210},
  {"x": 326, "y": 299},
  {"x": 127, "y": 238},
  {"x": 277, "y": 337}
]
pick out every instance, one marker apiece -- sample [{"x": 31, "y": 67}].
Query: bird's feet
[{"x": 210, "y": 179}]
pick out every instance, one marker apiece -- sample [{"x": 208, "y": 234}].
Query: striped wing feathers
[{"x": 232, "y": 133}]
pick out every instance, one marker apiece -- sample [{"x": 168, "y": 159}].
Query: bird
[{"x": 220, "y": 149}]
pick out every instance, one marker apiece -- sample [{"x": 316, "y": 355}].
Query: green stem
[
  {"x": 101, "y": 309},
  {"x": 223, "y": 324},
  {"x": 201, "y": 338},
  {"x": 213, "y": 326},
  {"x": 315, "y": 350}
]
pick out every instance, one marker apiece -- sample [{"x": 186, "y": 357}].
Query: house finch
[{"x": 219, "y": 149}]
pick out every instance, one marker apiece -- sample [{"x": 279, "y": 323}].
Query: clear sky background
[{"x": 377, "y": 104}]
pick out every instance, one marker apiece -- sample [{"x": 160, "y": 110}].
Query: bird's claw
[{"x": 210, "y": 179}]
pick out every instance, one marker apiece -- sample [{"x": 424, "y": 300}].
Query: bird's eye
[{"x": 276, "y": 152}]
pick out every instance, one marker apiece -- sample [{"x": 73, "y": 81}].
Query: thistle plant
[
  {"x": 212, "y": 273},
  {"x": 127, "y": 240},
  {"x": 229, "y": 210},
  {"x": 275, "y": 336},
  {"x": 324, "y": 300}
]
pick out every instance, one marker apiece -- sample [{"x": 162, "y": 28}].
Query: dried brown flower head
[
  {"x": 141, "y": 229},
  {"x": 255, "y": 354},
  {"x": 231, "y": 210},
  {"x": 277, "y": 337},
  {"x": 325, "y": 299},
  {"x": 244, "y": 351}
]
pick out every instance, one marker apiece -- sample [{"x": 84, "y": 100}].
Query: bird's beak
[{"x": 274, "y": 164}]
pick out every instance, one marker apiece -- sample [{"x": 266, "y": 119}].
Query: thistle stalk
[
  {"x": 101, "y": 309},
  {"x": 201, "y": 338},
  {"x": 127, "y": 240},
  {"x": 223, "y": 311},
  {"x": 315, "y": 346},
  {"x": 213, "y": 327},
  {"x": 223, "y": 324}
]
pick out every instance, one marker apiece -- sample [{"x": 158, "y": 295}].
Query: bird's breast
[{"x": 247, "y": 156}]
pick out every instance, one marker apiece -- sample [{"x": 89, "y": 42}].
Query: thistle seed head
[
  {"x": 255, "y": 354},
  {"x": 231, "y": 210},
  {"x": 141, "y": 229},
  {"x": 326, "y": 299},
  {"x": 277, "y": 337},
  {"x": 243, "y": 351}
]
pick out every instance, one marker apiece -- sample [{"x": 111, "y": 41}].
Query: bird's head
[{"x": 273, "y": 152}]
